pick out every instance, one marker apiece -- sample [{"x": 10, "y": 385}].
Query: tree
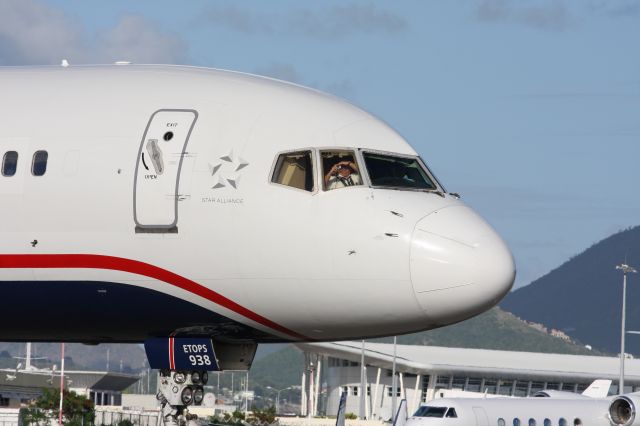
[
  {"x": 268, "y": 415},
  {"x": 76, "y": 409}
]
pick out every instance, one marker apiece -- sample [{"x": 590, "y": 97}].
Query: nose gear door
[{"x": 157, "y": 175}]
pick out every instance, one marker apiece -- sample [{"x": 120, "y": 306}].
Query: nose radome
[{"x": 460, "y": 266}]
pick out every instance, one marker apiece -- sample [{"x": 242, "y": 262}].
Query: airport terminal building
[
  {"x": 20, "y": 387},
  {"x": 423, "y": 371}
]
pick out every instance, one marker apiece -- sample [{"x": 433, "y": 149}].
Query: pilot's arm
[{"x": 332, "y": 171}]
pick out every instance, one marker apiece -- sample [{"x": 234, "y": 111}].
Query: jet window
[
  {"x": 340, "y": 169},
  {"x": 397, "y": 172},
  {"x": 562, "y": 422},
  {"x": 39, "y": 165},
  {"x": 426, "y": 411},
  {"x": 9, "y": 163},
  {"x": 577, "y": 422},
  {"x": 516, "y": 422},
  {"x": 532, "y": 422},
  {"x": 547, "y": 422},
  {"x": 501, "y": 422},
  {"x": 295, "y": 169},
  {"x": 452, "y": 413}
]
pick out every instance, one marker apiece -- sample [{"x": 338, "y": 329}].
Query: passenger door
[
  {"x": 481, "y": 416},
  {"x": 157, "y": 175}
]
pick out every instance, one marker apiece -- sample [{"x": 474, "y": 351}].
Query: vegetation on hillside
[{"x": 582, "y": 297}]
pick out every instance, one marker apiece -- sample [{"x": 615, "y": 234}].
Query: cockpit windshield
[
  {"x": 397, "y": 172},
  {"x": 426, "y": 411}
]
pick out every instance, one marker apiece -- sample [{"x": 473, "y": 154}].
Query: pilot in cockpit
[{"x": 342, "y": 174}]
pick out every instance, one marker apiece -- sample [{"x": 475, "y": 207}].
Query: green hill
[{"x": 495, "y": 329}]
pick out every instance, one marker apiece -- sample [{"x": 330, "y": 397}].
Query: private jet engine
[{"x": 623, "y": 409}]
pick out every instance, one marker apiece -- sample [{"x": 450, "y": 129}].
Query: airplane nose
[{"x": 460, "y": 266}]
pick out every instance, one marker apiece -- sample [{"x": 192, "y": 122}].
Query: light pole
[
  {"x": 278, "y": 396},
  {"x": 393, "y": 381},
  {"x": 626, "y": 269}
]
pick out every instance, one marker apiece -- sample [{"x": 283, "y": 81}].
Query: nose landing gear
[{"x": 177, "y": 391}]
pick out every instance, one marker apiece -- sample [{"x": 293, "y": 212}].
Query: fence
[
  {"x": 138, "y": 418},
  {"x": 10, "y": 417}
]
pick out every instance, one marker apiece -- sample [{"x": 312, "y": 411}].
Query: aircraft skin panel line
[{"x": 94, "y": 261}]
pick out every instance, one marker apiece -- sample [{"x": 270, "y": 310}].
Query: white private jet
[
  {"x": 142, "y": 202},
  {"x": 545, "y": 408}
]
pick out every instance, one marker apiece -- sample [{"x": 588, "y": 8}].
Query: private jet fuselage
[{"x": 142, "y": 201}]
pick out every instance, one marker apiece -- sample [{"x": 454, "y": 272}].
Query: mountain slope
[
  {"x": 583, "y": 296},
  {"x": 494, "y": 329}
]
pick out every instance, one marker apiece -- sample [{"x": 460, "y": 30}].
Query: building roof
[
  {"x": 101, "y": 380},
  {"x": 38, "y": 379},
  {"x": 482, "y": 362}
]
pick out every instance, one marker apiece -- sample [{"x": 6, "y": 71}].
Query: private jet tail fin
[
  {"x": 402, "y": 415},
  {"x": 342, "y": 406},
  {"x": 598, "y": 389}
]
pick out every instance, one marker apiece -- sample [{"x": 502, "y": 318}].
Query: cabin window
[
  {"x": 577, "y": 422},
  {"x": 340, "y": 169},
  {"x": 427, "y": 411},
  {"x": 452, "y": 413},
  {"x": 562, "y": 422},
  {"x": 547, "y": 422},
  {"x": 532, "y": 422},
  {"x": 9, "y": 163},
  {"x": 397, "y": 172},
  {"x": 501, "y": 422},
  {"x": 39, "y": 165},
  {"x": 295, "y": 169},
  {"x": 516, "y": 422}
]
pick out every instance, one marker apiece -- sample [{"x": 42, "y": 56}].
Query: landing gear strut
[{"x": 178, "y": 390}]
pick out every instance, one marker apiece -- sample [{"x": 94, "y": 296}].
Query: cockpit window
[
  {"x": 452, "y": 413},
  {"x": 426, "y": 411},
  {"x": 294, "y": 169},
  {"x": 397, "y": 172},
  {"x": 340, "y": 169}
]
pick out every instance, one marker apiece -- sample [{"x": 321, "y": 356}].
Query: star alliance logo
[{"x": 225, "y": 170}]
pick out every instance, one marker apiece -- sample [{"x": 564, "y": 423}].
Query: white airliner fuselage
[{"x": 140, "y": 201}]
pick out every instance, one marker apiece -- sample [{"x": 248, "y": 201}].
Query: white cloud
[
  {"x": 288, "y": 72},
  {"x": 617, "y": 8},
  {"x": 550, "y": 15},
  {"x": 281, "y": 71},
  {"x": 137, "y": 40},
  {"x": 32, "y": 32},
  {"x": 332, "y": 23}
]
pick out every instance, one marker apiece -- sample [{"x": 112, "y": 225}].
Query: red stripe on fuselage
[{"x": 96, "y": 261}]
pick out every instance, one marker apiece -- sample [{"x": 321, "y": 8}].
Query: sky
[{"x": 529, "y": 109}]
